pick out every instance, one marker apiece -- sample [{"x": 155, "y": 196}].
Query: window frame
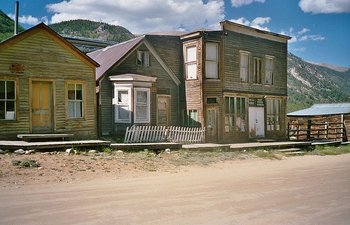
[
  {"x": 6, "y": 100},
  {"x": 232, "y": 113},
  {"x": 75, "y": 101},
  {"x": 191, "y": 63},
  {"x": 257, "y": 70},
  {"x": 245, "y": 78},
  {"x": 273, "y": 119},
  {"x": 187, "y": 120},
  {"x": 117, "y": 105},
  {"x": 211, "y": 61},
  {"x": 269, "y": 72},
  {"x": 143, "y": 58},
  {"x": 148, "y": 105}
]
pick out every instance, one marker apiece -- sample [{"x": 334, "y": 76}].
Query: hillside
[
  {"x": 92, "y": 30},
  {"x": 309, "y": 83},
  {"x": 6, "y": 26}
]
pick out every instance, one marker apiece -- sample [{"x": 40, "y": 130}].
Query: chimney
[{"x": 16, "y": 18}]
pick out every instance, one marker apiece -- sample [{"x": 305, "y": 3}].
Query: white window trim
[
  {"x": 116, "y": 105},
  {"x": 76, "y": 101},
  {"x": 148, "y": 117},
  {"x": 212, "y": 61},
  {"x": 187, "y": 63}
]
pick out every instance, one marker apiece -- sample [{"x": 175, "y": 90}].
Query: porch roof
[
  {"x": 132, "y": 77},
  {"x": 323, "y": 110}
]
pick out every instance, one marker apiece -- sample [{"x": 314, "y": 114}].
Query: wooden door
[
  {"x": 212, "y": 125},
  {"x": 42, "y": 107},
  {"x": 163, "y": 110},
  {"x": 256, "y": 122}
]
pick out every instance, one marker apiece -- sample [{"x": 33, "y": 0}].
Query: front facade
[
  {"x": 45, "y": 86},
  {"x": 136, "y": 85},
  {"x": 237, "y": 78}
]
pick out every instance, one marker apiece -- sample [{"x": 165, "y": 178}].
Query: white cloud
[
  {"x": 29, "y": 19},
  {"x": 325, "y": 6},
  {"x": 301, "y": 49},
  {"x": 257, "y": 23},
  {"x": 300, "y": 35},
  {"x": 239, "y": 3},
  {"x": 140, "y": 16}
]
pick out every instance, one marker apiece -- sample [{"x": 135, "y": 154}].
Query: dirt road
[{"x": 297, "y": 190}]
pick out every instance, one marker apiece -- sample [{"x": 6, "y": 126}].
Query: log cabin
[{"x": 47, "y": 86}]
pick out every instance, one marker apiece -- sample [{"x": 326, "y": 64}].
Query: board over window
[
  {"x": 191, "y": 62},
  {"x": 75, "y": 107},
  {"x": 257, "y": 71},
  {"x": 212, "y": 61},
  {"x": 7, "y": 100}
]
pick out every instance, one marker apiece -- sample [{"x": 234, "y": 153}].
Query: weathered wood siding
[
  {"x": 164, "y": 84},
  {"x": 45, "y": 58}
]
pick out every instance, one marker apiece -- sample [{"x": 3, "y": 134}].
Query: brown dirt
[{"x": 176, "y": 188}]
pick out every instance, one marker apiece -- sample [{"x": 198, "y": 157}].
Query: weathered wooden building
[
  {"x": 236, "y": 83},
  {"x": 46, "y": 86},
  {"x": 320, "y": 122},
  {"x": 138, "y": 83}
]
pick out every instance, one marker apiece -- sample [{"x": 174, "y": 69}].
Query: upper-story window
[
  {"x": 75, "y": 100},
  {"x": 7, "y": 100},
  {"x": 212, "y": 61},
  {"x": 142, "y": 58},
  {"x": 244, "y": 66},
  {"x": 269, "y": 70},
  {"x": 191, "y": 62},
  {"x": 257, "y": 70}
]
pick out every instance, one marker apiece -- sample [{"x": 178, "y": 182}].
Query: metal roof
[
  {"x": 323, "y": 110},
  {"x": 109, "y": 56}
]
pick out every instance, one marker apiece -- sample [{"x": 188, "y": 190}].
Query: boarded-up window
[
  {"x": 235, "y": 114},
  {"x": 273, "y": 114},
  {"x": 257, "y": 70},
  {"x": 269, "y": 70},
  {"x": 244, "y": 66},
  {"x": 191, "y": 62},
  {"x": 212, "y": 61},
  {"x": 75, "y": 101},
  {"x": 7, "y": 100},
  {"x": 142, "y": 105}
]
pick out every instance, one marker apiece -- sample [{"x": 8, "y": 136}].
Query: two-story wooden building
[
  {"x": 236, "y": 83},
  {"x": 46, "y": 86}
]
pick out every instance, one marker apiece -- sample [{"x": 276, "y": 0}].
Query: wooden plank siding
[{"x": 45, "y": 59}]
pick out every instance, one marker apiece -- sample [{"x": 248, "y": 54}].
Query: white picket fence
[{"x": 149, "y": 134}]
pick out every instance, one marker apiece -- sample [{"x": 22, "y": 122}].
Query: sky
[{"x": 319, "y": 28}]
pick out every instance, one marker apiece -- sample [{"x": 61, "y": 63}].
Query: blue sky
[{"x": 319, "y": 28}]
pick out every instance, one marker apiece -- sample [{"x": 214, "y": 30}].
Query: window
[
  {"x": 212, "y": 61},
  {"x": 7, "y": 100},
  {"x": 273, "y": 114},
  {"x": 191, "y": 118},
  {"x": 191, "y": 62},
  {"x": 235, "y": 114},
  {"x": 122, "y": 105},
  {"x": 257, "y": 70},
  {"x": 244, "y": 66},
  {"x": 269, "y": 70},
  {"x": 143, "y": 58},
  {"x": 75, "y": 100},
  {"x": 142, "y": 105}
]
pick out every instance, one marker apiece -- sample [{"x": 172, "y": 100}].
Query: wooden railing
[
  {"x": 149, "y": 134},
  {"x": 317, "y": 131}
]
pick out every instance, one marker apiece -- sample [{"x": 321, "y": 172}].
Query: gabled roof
[
  {"x": 56, "y": 37},
  {"x": 112, "y": 55},
  {"x": 323, "y": 110}
]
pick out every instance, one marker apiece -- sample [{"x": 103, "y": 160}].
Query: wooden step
[
  {"x": 294, "y": 153},
  {"x": 28, "y": 137},
  {"x": 289, "y": 150}
]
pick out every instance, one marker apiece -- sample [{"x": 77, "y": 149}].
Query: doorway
[
  {"x": 163, "y": 110},
  {"x": 42, "y": 107},
  {"x": 256, "y": 122}
]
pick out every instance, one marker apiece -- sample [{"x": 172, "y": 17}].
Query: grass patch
[
  {"x": 331, "y": 150},
  {"x": 267, "y": 154}
]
